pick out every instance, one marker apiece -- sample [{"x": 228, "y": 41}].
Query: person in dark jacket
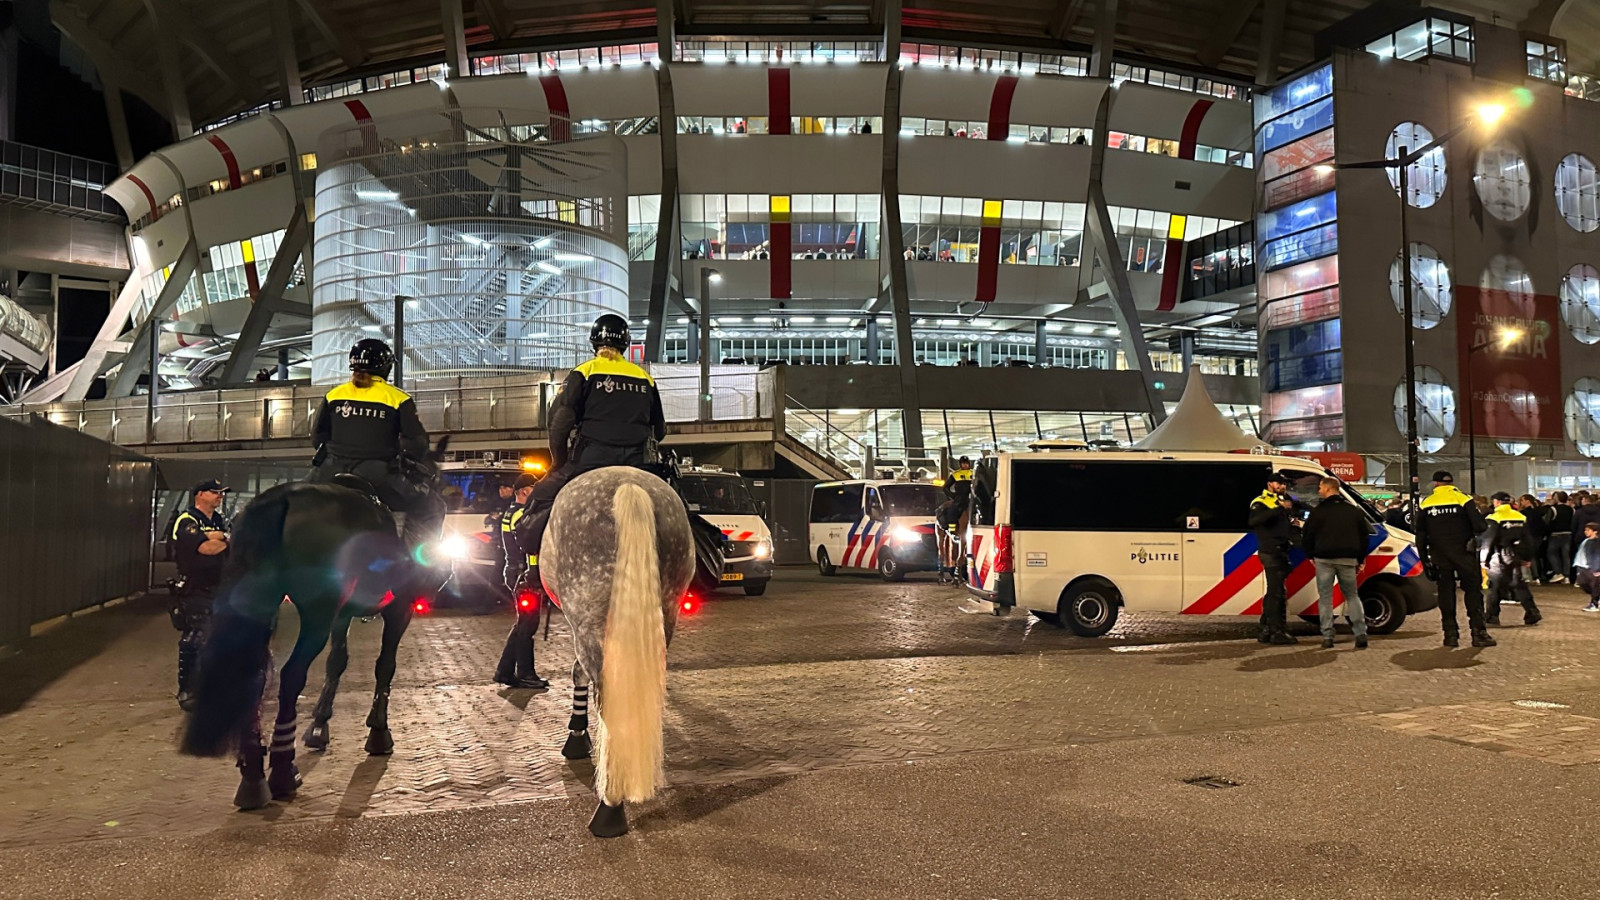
[
  {"x": 1506, "y": 546},
  {"x": 1558, "y": 546},
  {"x": 1270, "y": 522},
  {"x": 608, "y": 411},
  {"x": 1588, "y": 565},
  {"x": 1588, "y": 510},
  {"x": 516, "y": 666},
  {"x": 199, "y": 538},
  {"x": 1447, "y": 541},
  {"x": 1337, "y": 537},
  {"x": 1538, "y": 533}
]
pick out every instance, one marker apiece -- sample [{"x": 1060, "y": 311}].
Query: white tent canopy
[{"x": 1197, "y": 425}]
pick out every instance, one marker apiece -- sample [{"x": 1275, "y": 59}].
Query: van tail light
[{"x": 1003, "y": 562}]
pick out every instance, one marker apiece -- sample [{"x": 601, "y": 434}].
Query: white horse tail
[{"x": 634, "y": 668}]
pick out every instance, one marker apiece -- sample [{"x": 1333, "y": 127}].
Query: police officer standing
[
  {"x": 1507, "y": 545},
  {"x": 1271, "y": 523},
  {"x": 516, "y": 669},
  {"x": 608, "y": 410},
  {"x": 200, "y": 546},
  {"x": 369, "y": 428},
  {"x": 1450, "y": 525}
]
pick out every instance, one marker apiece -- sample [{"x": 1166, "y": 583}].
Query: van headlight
[
  {"x": 904, "y": 535},
  {"x": 454, "y": 547},
  {"x": 763, "y": 549}
]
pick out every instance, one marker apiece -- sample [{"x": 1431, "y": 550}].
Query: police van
[
  {"x": 883, "y": 525},
  {"x": 1078, "y": 536},
  {"x": 723, "y": 499},
  {"x": 470, "y": 538}
]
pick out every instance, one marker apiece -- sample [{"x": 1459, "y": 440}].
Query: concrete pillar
[
  {"x": 1272, "y": 27},
  {"x": 455, "y": 37},
  {"x": 283, "y": 363},
  {"x": 172, "y": 75},
  {"x": 1041, "y": 347},
  {"x": 1105, "y": 39},
  {"x": 666, "y": 36},
  {"x": 1186, "y": 349},
  {"x": 117, "y": 116},
  {"x": 285, "y": 56},
  {"x": 871, "y": 348}
]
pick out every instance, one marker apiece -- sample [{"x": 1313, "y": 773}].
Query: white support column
[
  {"x": 286, "y": 56},
  {"x": 455, "y": 37},
  {"x": 1273, "y": 22},
  {"x": 172, "y": 78},
  {"x": 117, "y": 116},
  {"x": 1105, "y": 40}
]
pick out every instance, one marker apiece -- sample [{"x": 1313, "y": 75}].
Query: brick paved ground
[{"x": 821, "y": 675}]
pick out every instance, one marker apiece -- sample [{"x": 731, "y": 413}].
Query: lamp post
[
  {"x": 1488, "y": 115},
  {"x": 1506, "y": 337},
  {"x": 708, "y": 277}
]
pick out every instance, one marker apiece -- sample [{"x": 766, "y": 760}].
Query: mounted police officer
[
  {"x": 516, "y": 669},
  {"x": 1450, "y": 524},
  {"x": 200, "y": 546},
  {"x": 958, "y": 494},
  {"x": 606, "y": 414},
  {"x": 369, "y": 428},
  {"x": 1274, "y": 531},
  {"x": 1507, "y": 545}
]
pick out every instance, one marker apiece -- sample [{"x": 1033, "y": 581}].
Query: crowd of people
[{"x": 1562, "y": 536}]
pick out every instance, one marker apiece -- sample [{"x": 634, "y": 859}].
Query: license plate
[{"x": 732, "y": 576}]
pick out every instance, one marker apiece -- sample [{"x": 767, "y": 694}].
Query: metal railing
[{"x": 814, "y": 430}]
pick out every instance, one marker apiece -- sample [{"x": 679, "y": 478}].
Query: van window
[
  {"x": 717, "y": 495},
  {"x": 910, "y": 499},
  {"x": 836, "y": 503},
  {"x": 1155, "y": 496}
]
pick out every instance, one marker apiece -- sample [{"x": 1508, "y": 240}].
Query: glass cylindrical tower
[{"x": 502, "y": 237}]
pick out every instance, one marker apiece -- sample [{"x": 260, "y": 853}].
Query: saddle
[{"x": 354, "y": 482}]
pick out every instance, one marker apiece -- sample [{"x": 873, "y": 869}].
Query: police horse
[
  {"x": 332, "y": 551},
  {"x": 617, "y": 557}
]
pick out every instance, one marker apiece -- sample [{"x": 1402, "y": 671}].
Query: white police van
[
  {"x": 1078, "y": 536},
  {"x": 470, "y": 538},
  {"x": 883, "y": 525},
  {"x": 723, "y": 499}
]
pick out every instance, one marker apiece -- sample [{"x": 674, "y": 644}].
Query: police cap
[
  {"x": 1443, "y": 477},
  {"x": 1502, "y": 496},
  {"x": 212, "y": 485},
  {"x": 524, "y": 481}
]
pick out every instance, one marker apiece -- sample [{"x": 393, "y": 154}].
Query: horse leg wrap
[
  {"x": 609, "y": 821},
  {"x": 253, "y": 792},
  {"x": 285, "y": 777}
]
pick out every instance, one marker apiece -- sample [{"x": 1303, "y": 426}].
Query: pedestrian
[
  {"x": 1447, "y": 541},
  {"x": 1588, "y": 565},
  {"x": 1538, "y": 534},
  {"x": 1337, "y": 538},
  {"x": 1558, "y": 547},
  {"x": 1270, "y": 522},
  {"x": 1506, "y": 547},
  {"x": 1586, "y": 510},
  {"x": 516, "y": 667},
  {"x": 200, "y": 546},
  {"x": 1395, "y": 516}
]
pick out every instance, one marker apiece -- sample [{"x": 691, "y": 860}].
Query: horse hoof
[
  {"x": 380, "y": 742},
  {"x": 577, "y": 745},
  {"x": 609, "y": 821},
  {"x": 284, "y": 781},
  {"x": 253, "y": 793},
  {"x": 317, "y": 736}
]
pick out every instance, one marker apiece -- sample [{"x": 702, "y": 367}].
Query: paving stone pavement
[{"x": 819, "y": 674}]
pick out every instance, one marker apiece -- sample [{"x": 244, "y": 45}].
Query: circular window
[
  {"x": 1508, "y": 275},
  {"x": 1580, "y": 302},
  {"x": 1512, "y": 449},
  {"x": 1436, "y": 409},
  {"x": 1578, "y": 192},
  {"x": 1426, "y": 176},
  {"x": 1501, "y": 177},
  {"x": 1430, "y": 285},
  {"x": 1583, "y": 416}
]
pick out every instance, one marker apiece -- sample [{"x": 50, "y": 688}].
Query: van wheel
[
  {"x": 890, "y": 568},
  {"x": 824, "y": 565},
  {"x": 755, "y": 590},
  {"x": 1090, "y": 607},
  {"x": 1385, "y": 607}
]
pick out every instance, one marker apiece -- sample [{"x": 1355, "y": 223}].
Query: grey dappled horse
[
  {"x": 617, "y": 558},
  {"x": 333, "y": 552}
]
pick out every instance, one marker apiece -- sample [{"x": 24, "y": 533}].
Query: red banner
[{"x": 1509, "y": 343}]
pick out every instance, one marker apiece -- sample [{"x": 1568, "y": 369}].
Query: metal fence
[
  {"x": 77, "y": 513},
  {"x": 273, "y": 411}
]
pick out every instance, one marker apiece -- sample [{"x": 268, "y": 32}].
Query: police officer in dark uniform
[
  {"x": 1451, "y": 524},
  {"x": 958, "y": 493},
  {"x": 369, "y": 428},
  {"x": 608, "y": 411},
  {"x": 200, "y": 546},
  {"x": 1507, "y": 544},
  {"x": 516, "y": 669},
  {"x": 1271, "y": 522}
]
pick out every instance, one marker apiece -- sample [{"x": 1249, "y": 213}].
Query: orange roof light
[{"x": 532, "y": 465}]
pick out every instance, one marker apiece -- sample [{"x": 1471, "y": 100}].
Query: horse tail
[{"x": 634, "y": 668}]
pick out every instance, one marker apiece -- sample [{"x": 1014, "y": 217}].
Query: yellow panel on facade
[
  {"x": 249, "y": 251},
  {"x": 1175, "y": 227},
  {"x": 991, "y": 212},
  {"x": 779, "y": 208}
]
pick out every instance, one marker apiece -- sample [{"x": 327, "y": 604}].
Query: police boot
[
  {"x": 285, "y": 777},
  {"x": 1491, "y": 612},
  {"x": 188, "y": 660},
  {"x": 253, "y": 792},
  {"x": 1481, "y": 638},
  {"x": 1452, "y": 637}
]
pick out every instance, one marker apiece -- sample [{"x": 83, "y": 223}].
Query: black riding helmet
[
  {"x": 372, "y": 356},
  {"x": 610, "y": 330}
]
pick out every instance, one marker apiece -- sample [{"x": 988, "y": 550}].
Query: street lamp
[
  {"x": 1488, "y": 115},
  {"x": 1505, "y": 338},
  {"x": 708, "y": 277}
]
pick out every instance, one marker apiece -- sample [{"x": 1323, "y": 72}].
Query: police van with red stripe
[
  {"x": 1078, "y": 536},
  {"x": 722, "y": 498},
  {"x": 883, "y": 525}
]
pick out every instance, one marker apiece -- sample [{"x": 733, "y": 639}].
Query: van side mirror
[{"x": 875, "y": 513}]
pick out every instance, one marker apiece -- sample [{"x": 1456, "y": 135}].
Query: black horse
[{"x": 332, "y": 551}]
